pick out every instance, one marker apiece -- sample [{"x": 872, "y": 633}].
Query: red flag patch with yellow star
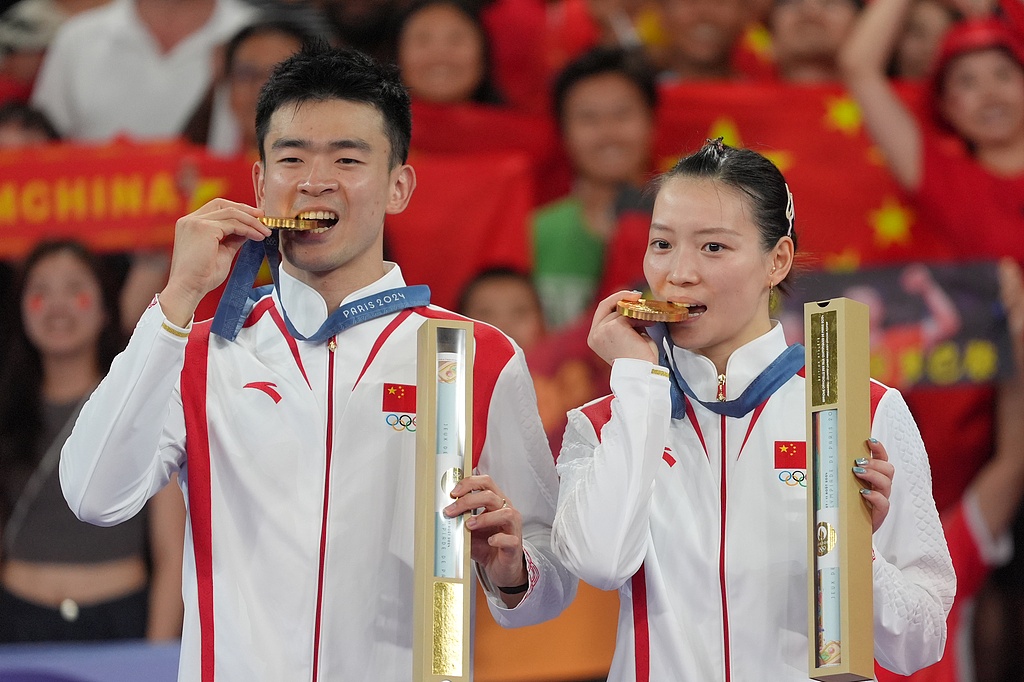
[
  {"x": 790, "y": 454},
  {"x": 399, "y": 398}
]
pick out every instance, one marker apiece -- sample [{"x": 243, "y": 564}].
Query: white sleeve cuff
[{"x": 168, "y": 326}]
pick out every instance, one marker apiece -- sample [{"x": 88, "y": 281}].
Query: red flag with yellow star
[
  {"x": 399, "y": 398},
  {"x": 850, "y": 212},
  {"x": 790, "y": 454}
]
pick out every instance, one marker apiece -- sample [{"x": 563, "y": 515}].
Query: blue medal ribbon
[
  {"x": 781, "y": 370},
  {"x": 239, "y": 297}
]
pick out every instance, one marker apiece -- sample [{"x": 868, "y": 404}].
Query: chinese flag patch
[
  {"x": 790, "y": 454},
  {"x": 399, "y": 398}
]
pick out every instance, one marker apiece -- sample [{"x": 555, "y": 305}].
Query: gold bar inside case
[
  {"x": 444, "y": 454},
  {"x": 839, "y": 578}
]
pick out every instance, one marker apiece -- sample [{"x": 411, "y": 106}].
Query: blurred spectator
[
  {"x": 703, "y": 36},
  {"x": 137, "y": 67},
  {"x": 20, "y": 126},
  {"x": 506, "y": 299},
  {"x": 604, "y": 104},
  {"x": 61, "y": 579},
  {"x": 306, "y": 14},
  {"x": 26, "y": 30},
  {"x": 23, "y": 126},
  {"x": 443, "y": 54},
  {"x": 918, "y": 46},
  {"x": 564, "y": 370},
  {"x": 249, "y": 59},
  {"x": 968, "y": 196},
  {"x": 143, "y": 273},
  {"x": 367, "y": 25},
  {"x": 807, "y": 36}
]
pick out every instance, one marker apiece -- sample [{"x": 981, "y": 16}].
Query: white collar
[
  {"x": 743, "y": 366},
  {"x": 307, "y": 309},
  {"x": 228, "y": 16}
]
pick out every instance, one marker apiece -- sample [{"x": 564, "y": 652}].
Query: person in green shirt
[{"x": 604, "y": 102}]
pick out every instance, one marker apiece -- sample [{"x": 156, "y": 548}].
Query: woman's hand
[
  {"x": 613, "y": 335},
  {"x": 876, "y": 474}
]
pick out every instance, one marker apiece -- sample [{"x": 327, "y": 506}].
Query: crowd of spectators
[{"x": 576, "y": 86}]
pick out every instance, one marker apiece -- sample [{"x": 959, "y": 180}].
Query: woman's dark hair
[
  {"x": 28, "y": 118},
  {"x": 487, "y": 91},
  {"x": 22, "y": 373},
  {"x": 751, "y": 174},
  {"x": 320, "y": 73},
  {"x": 270, "y": 24},
  {"x": 630, "y": 64}
]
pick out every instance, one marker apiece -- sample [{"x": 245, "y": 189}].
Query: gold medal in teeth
[
  {"x": 654, "y": 311},
  {"x": 290, "y": 223}
]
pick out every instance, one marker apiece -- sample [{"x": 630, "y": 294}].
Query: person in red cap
[{"x": 969, "y": 187}]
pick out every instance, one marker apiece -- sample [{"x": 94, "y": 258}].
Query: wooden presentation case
[
  {"x": 441, "y": 613},
  {"x": 841, "y": 618}
]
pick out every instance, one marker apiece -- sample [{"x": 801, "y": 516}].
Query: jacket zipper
[
  {"x": 721, "y": 389},
  {"x": 332, "y": 346},
  {"x": 722, "y": 546}
]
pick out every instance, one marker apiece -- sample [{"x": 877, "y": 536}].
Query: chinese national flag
[
  {"x": 790, "y": 454},
  {"x": 399, "y": 398}
]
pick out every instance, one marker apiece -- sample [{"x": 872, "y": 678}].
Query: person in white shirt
[
  {"x": 134, "y": 67},
  {"x": 292, "y": 424},
  {"x": 685, "y": 489}
]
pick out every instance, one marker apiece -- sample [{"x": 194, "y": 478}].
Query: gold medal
[
  {"x": 291, "y": 223},
  {"x": 654, "y": 311}
]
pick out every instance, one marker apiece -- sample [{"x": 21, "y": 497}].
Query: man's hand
[
  {"x": 496, "y": 532},
  {"x": 205, "y": 243}
]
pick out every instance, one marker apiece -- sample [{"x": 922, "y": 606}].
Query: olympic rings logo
[
  {"x": 401, "y": 422},
  {"x": 793, "y": 478}
]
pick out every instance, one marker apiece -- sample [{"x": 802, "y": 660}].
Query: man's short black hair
[
  {"x": 319, "y": 73},
  {"x": 630, "y": 64}
]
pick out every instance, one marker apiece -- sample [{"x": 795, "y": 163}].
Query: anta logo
[
  {"x": 667, "y": 456},
  {"x": 267, "y": 387}
]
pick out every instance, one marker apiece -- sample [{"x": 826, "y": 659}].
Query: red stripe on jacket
[{"x": 197, "y": 450}]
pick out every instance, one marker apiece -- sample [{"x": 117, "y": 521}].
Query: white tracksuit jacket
[
  {"x": 706, "y": 540},
  {"x": 300, "y": 487}
]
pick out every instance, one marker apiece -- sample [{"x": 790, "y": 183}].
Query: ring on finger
[{"x": 504, "y": 503}]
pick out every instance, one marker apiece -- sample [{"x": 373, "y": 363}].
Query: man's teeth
[
  {"x": 317, "y": 215},
  {"x": 328, "y": 218}
]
